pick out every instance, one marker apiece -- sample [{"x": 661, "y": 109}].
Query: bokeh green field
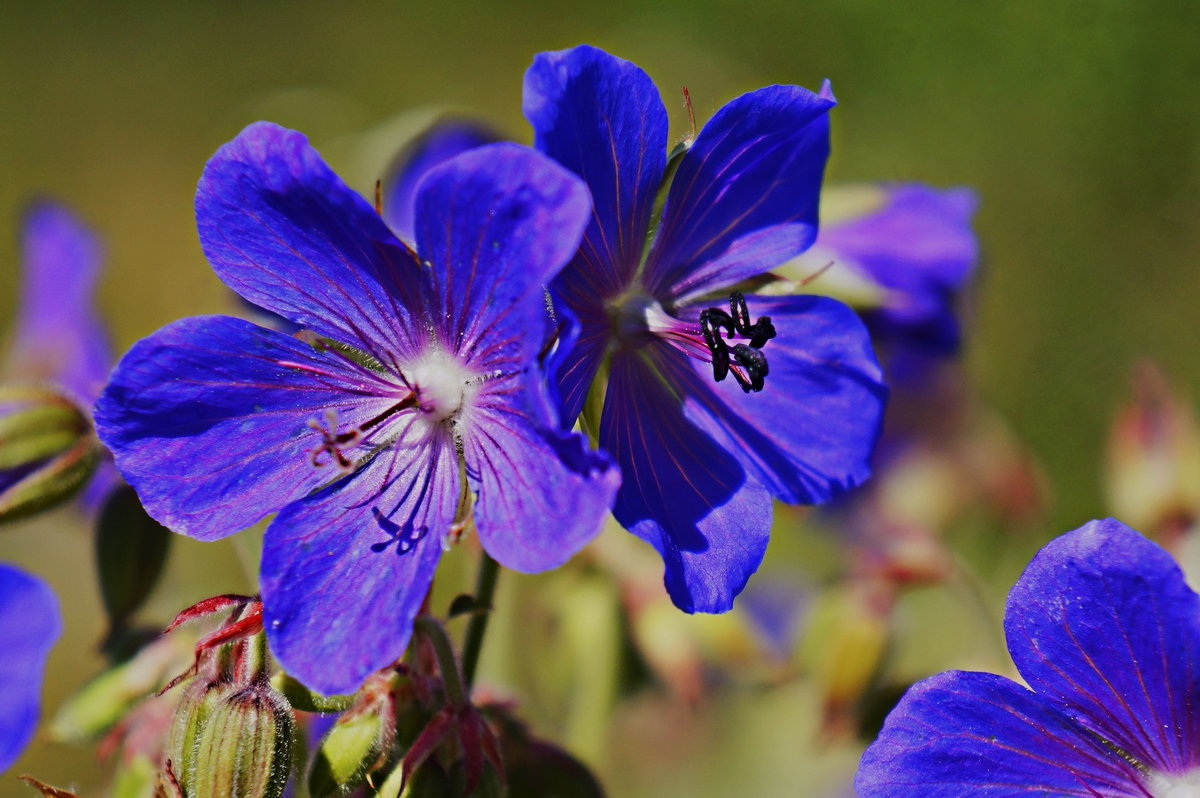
[{"x": 1077, "y": 122}]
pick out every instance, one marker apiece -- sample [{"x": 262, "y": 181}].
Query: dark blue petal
[
  {"x": 345, "y": 571},
  {"x": 809, "y": 433},
  {"x": 602, "y": 118},
  {"x": 744, "y": 199},
  {"x": 58, "y": 336},
  {"x": 282, "y": 230},
  {"x": 680, "y": 491},
  {"x": 209, "y": 420},
  {"x": 541, "y": 492},
  {"x": 441, "y": 142},
  {"x": 583, "y": 336},
  {"x": 497, "y": 224},
  {"x": 959, "y": 734},
  {"x": 29, "y": 625},
  {"x": 1103, "y": 623}
]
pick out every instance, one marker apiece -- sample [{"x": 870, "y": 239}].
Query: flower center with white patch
[
  {"x": 444, "y": 387},
  {"x": 1174, "y": 785}
]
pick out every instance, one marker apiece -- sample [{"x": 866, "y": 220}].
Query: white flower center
[
  {"x": 443, "y": 385},
  {"x": 1174, "y": 785}
]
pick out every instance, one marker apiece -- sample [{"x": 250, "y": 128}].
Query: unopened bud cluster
[{"x": 232, "y": 732}]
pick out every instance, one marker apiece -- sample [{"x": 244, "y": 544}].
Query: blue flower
[
  {"x": 57, "y": 336},
  {"x": 447, "y": 137},
  {"x": 415, "y": 389},
  {"x": 903, "y": 254},
  {"x": 58, "y": 341},
  {"x": 1106, "y": 632},
  {"x": 29, "y": 625},
  {"x": 715, "y": 400}
]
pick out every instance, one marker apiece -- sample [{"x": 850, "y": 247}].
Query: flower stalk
[{"x": 485, "y": 589}]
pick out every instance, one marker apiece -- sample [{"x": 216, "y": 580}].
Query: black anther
[
  {"x": 739, "y": 311},
  {"x": 751, "y": 363}
]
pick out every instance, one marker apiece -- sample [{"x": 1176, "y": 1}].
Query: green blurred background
[{"x": 1078, "y": 123}]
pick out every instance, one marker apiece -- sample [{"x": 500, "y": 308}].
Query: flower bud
[
  {"x": 358, "y": 743},
  {"x": 851, "y": 658},
  {"x": 1154, "y": 459},
  {"x": 47, "y": 450},
  {"x": 245, "y": 746},
  {"x": 195, "y": 708}
]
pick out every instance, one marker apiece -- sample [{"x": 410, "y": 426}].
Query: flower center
[
  {"x": 442, "y": 385},
  {"x": 435, "y": 392},
  {"x": 1174, "y": 785}
]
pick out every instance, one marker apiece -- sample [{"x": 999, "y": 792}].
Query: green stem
[
  {"x": 433, "y": 631},
  {"x": 485, "y": 589}
]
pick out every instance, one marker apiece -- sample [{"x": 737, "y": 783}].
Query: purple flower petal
[
  {"x": 445, "y": 139},
  {"x": 575, "y": 357},
  {"x": 58, "y": 337},
  {"x": 744, "y": 199},
  {"x": 209, "y": 420},
  {"x": 680, "y": 491},
  {"x": 542, "y": 493},
  {"x": 284, "y": 232},
  {"x": 809, "y": 433},
  {"x": 958, "y": 734},
  {"x": 921, "y": 248},
  {"x": 497, "y": 224},
  {"x": 602, "y": 118},
  {"x": 1103, "y": 623},
  {"x": 344, "y": 572},
  {"x": 919, "y": 242},
  {"x": 29, "y": 625}
]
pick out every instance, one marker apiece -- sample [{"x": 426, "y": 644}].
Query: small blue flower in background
[
  {"x": 416, "y": 386},
  {"x": 57, "y": 338},
  {"x": 716, "y": 401},
  {"x": 1106, "y": 632},
  {"x": 443, "y": 140},
  {"x": 29, "y": 625},
  {"x": 911, "y": 250}
]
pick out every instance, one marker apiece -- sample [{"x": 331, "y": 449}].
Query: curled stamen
[
  {"x": 749, "y": 364},
  {"x": 712, "y": 321}
]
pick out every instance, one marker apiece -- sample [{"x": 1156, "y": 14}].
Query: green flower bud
[
  {"x": 245, "y": 746},
  {"x": 353, "y": 744},
  {"x": 47, "y": 450},
  {"x": 358, "y": 743},
  {"x": 197, "y": 705}
]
